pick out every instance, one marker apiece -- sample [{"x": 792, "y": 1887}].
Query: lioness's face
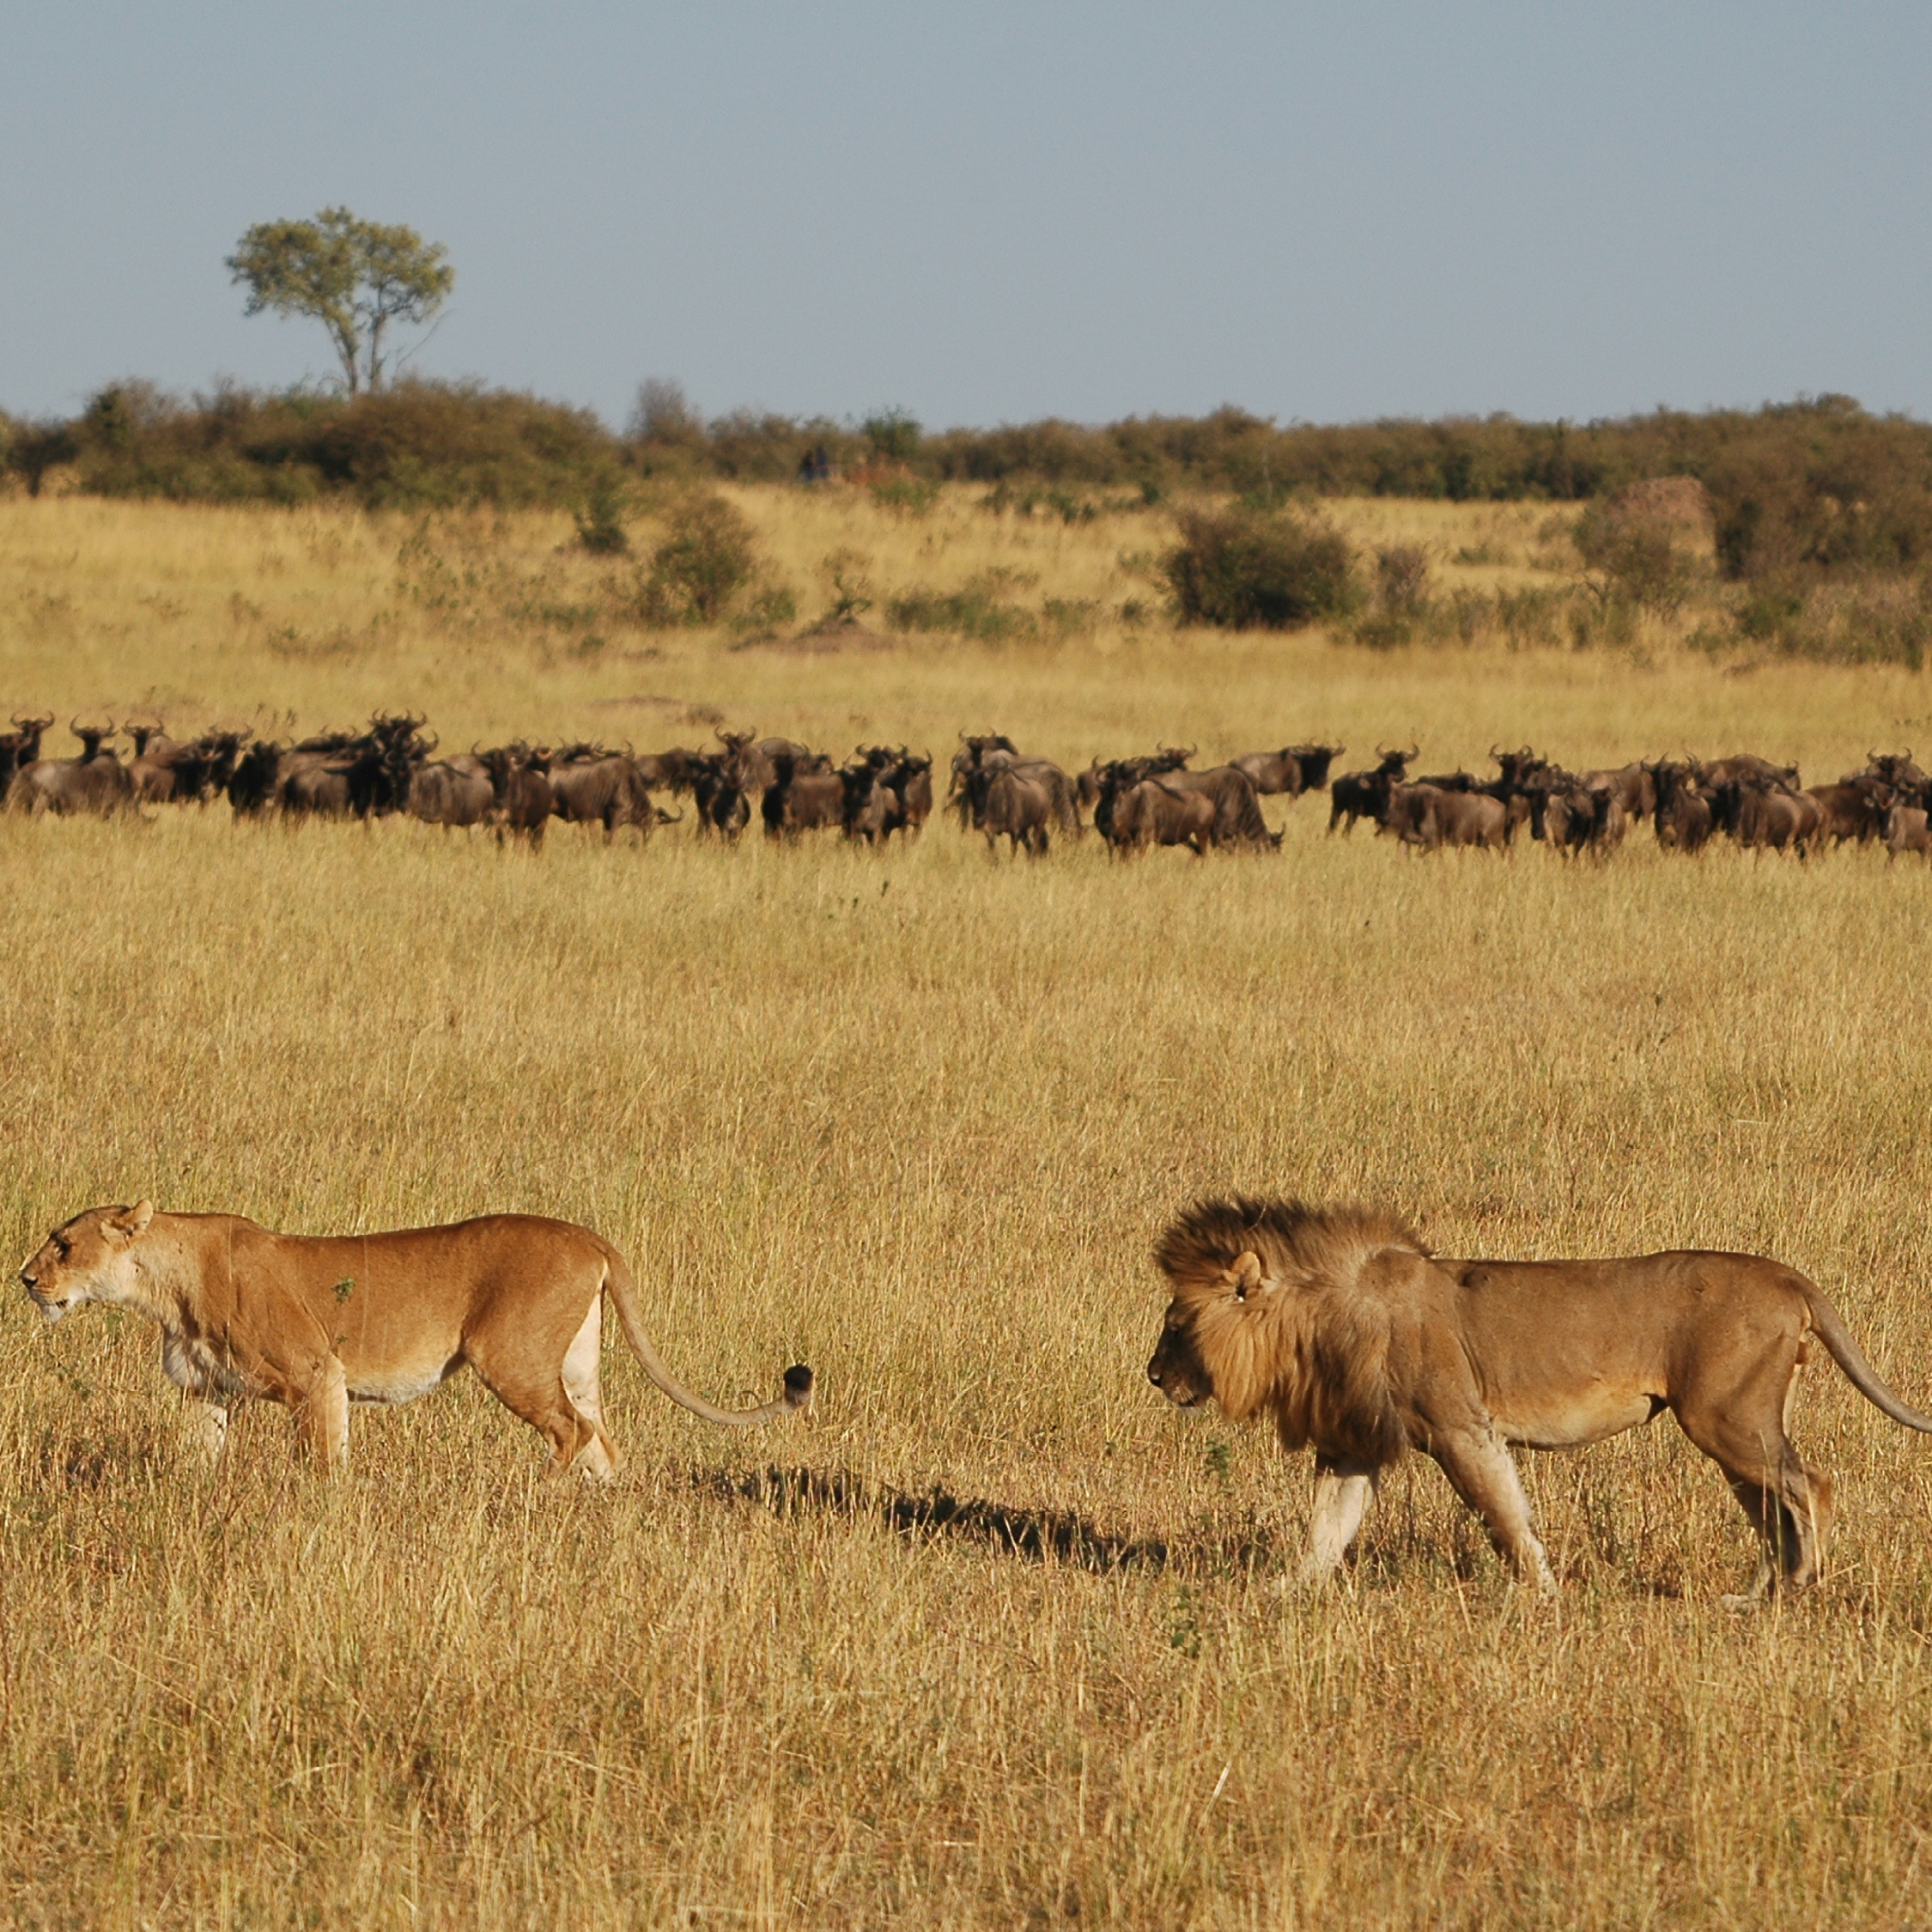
[
  {"x": 1176, "y": 1368},
  {"x": 86, "y": 1260}
]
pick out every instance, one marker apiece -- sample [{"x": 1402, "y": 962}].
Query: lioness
[
  {"x": 1340, "y": 1325},
  {"x": 317, "y": 1322}
]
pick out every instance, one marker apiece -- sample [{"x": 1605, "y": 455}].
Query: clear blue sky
[{"x": 992, "y": 212}]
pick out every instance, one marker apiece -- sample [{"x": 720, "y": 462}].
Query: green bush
[
  {"x": 893, "y": 434},
  {"x": 600, "y": 522},
  {"x": 707, "y": 557},
  {"x": 982, "y": 608},
  {"x": 1633, "y": 554},
  {"x": 1245, "y": 569}
]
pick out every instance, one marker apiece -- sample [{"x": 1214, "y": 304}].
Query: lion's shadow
[{"x": 1031, "y": 1535}]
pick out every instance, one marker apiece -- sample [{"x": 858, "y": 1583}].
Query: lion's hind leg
[
  {"x": 582, "y": 1377},
  {"x": 1789, "y": 1503},
  {"x": 1483, "y": 1472}
]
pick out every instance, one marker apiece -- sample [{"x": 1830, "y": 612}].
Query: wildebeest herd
[{"x": 1155, "y": 798}]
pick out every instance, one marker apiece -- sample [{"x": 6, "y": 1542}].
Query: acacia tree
[{"x": 355, "y": 278}]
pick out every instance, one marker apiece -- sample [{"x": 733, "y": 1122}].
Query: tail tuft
[{"x": 798, "y": 1386}]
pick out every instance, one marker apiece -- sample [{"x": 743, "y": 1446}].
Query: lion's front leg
[
  {"x": 322, "y": 1418},
  {"x": 205, "y": 1426},
  {"x": 1343, "y": 1491}
]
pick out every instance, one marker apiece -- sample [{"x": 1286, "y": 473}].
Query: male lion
[
  {"x": 316, "y": 1322},
  {"x": 1340, "y": 1325}
]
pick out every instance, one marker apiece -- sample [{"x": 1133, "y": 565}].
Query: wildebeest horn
[
  {"x": 1413, "y": 751},
  {"x": 431, "y": 742}
]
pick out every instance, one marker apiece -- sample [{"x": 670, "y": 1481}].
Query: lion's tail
[
  {"x": 623, "y": 1291},
  {"x": 1828, "y": 1325}
]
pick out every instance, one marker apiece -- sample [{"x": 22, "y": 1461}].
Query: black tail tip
[{"x": 798, "y": 1385}]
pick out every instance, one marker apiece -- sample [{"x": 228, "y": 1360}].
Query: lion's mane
[{"x": 1310, "y": 1345}]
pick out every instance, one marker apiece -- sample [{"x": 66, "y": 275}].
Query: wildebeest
[
  {"x": 97, "y": 780},
  {"x": 1855, "y": 808},
  {"x": 1632, "y": 785},
  {"x": 996, "y": 751},
  {"x": 1151, "y": 813},
  {"x": 457, "y": 790},
  {"x": 1431, "y": 817},
  {"x": 1008, "y": 804},
  {"x": 601, "y": 788},
  {"x": 716, "y": 790},
  {"x": 332, "y": 775},
  {"x": 887, "y": 791},
  {"x": 966, "y": 761},
  {"x": 1101, "y": 785},
  {"x": 1681, "y": 818},
  {"x": 1291, "y": 771},
  {"x": 527, "y": 802},
  {"x": 801, "y": 799},
  {"x": 163, "y": 771},
  {"x": 21, "y": 747},
  {"x": 1364, "y": 794},
  {"x": 1905, "y": 830},
  {"x": 1237, "y": 811},
  {"x": 1767, "y": 817},
  {"x": 1744, "y": 768}
]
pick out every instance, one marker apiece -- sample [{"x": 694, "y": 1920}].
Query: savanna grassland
[{"x": 996, "y": 1638}]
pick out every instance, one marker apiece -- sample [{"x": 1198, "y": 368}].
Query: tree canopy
[{"x": 355, "y": 278}]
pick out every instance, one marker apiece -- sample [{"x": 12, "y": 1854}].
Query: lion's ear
[
  {"x": 135, "y": 1219},
  {"x": 1245, "y": 1274}
]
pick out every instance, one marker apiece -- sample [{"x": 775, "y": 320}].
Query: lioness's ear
[
  {"x": 135, "y": 1220},
  {"x": 1245, "y": 1274}
]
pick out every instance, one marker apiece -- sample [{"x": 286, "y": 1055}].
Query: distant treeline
[{"x": 1819, "y": 481}]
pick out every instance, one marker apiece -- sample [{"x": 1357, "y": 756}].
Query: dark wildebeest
[
  {"x": 1431, "y": 817},
  {"x": 21, "y": 747},
  {"x": 1855, "y": 808},
  {"x": 1681, "y": 819},
  {"x": 605, "y": 789},
  {"x": 804, "y": 801},
  {"x": 368, "y": 773},
  {"x": 1774, "y": 818},
  {"x": 1114, "y": 775},
  {"x": 1744, "y": 768},
  {"x": 1008, "y": 804},
  {"x": 1152, "y": 814},
  {"x": 252, "y": 783},
  {"x": 1291, "y": 771},
  {"x": 97, "y": 780},
  {"x": 1364, "y": 794},
  {"x": 1237, "y": 811},
  {"x": 965, "y": 761},
  {"x": 675, "y": 770},
  {"x": 997, "y": 752},
  {"x": 1101, "y": 784},
  {"x": 164, "y": 771},
  {"x": 527, "y": 804},
  {"x": 722, "y": 806},
  {"x": 888, "y": 791},
  {"x": 1905, "y": 830},
  {"x": 1632, "y": 785},
  {"x": 459, "y": 791}
]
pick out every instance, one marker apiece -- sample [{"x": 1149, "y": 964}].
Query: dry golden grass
[{"x": 996, "y": 1638}]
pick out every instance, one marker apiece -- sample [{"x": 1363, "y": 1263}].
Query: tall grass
[{"x": 996, "y": 1638}]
